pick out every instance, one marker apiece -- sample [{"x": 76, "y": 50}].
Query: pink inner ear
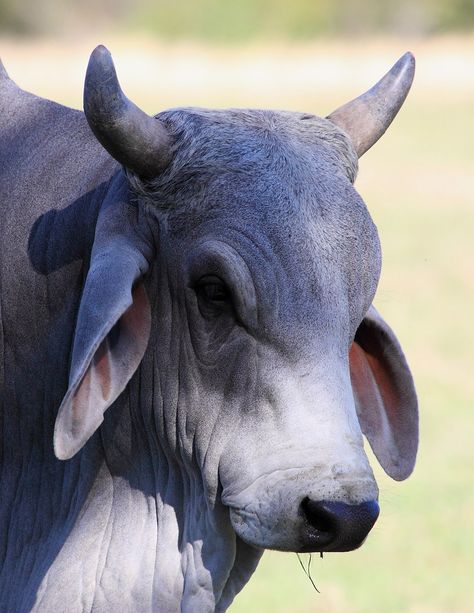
[
  {"x": 375, "y": 399},
  {"x": 118, "y": 355},
  {"x": 386, "y": 385},
  {"x": 135, "y": 322},
  {"x": 101, "y": 368},
  {"x": 385, "y": 398},
  {"x": 112, "y": 366}
]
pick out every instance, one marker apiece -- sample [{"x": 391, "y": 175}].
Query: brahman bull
[{"x": 208, "y": 277}]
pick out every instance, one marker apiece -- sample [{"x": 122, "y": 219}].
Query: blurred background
[{"x": 314, "y": 55}]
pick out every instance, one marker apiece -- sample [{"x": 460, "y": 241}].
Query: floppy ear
[
  {"x": 112, "y": 330},
  {"x": 385, "y": 396}
]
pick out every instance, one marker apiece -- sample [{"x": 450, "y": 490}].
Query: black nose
[{"x": 336, "y": 526}]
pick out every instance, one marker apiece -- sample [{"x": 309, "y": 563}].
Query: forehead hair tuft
[{"x": 212, "y": 143}]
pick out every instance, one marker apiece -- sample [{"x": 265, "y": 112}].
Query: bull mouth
[{"x": 316, "y": 549}]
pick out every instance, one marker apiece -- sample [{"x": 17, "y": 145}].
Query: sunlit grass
[{"x": 418, "y": 184}]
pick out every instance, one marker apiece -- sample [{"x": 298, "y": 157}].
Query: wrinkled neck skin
[
  {"x": 171, "y": 524},
  {"x": 132, "y": 528},
  {"x": 127, "y": 524},
  {"x": 157, "y": 537}
]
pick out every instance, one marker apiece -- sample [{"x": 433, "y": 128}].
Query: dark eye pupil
[
  {"x": 213, "y": 297},
  {"x": 215, "y": 292}
]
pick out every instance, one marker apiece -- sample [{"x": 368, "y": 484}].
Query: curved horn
[
  {"x": 367, "y": 117},
  {"x": 132, "y": 137}
]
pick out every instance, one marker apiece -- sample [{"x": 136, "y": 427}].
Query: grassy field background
[{"x": 418, "y": 183}]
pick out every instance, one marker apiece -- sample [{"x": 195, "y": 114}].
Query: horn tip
[
  {"x": 100, "y": 67},
  {"x": 408, "y": 57},
  {"x": 100, "y": 51},
  {"x": 101, "y": 57},
  {"x": 406, "y": 66}
]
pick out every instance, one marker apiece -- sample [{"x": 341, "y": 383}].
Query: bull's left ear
[
  {"x": 112, "y": 328},
  {"x": 385, "y": 396}
]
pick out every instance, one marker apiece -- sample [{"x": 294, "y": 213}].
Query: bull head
[{"x": 347, "y": 357}]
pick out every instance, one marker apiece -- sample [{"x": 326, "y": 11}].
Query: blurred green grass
[
  {"x": 418, "y": 184},
  {"x": 246, "y": 20}
]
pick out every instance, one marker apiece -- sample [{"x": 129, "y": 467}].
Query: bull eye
[{"x": 213, "y": 295}]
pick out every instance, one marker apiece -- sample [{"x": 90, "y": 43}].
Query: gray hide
[{"x": 215, "y": 307}]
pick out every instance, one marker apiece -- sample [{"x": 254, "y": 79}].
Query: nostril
[
  {"x": 317, "y": 516},
  {"x": 337, "y": 526},
  {"x": 321, "y": 530}
]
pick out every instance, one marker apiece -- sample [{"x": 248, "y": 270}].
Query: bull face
[{"x": 242, "y": 265}]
